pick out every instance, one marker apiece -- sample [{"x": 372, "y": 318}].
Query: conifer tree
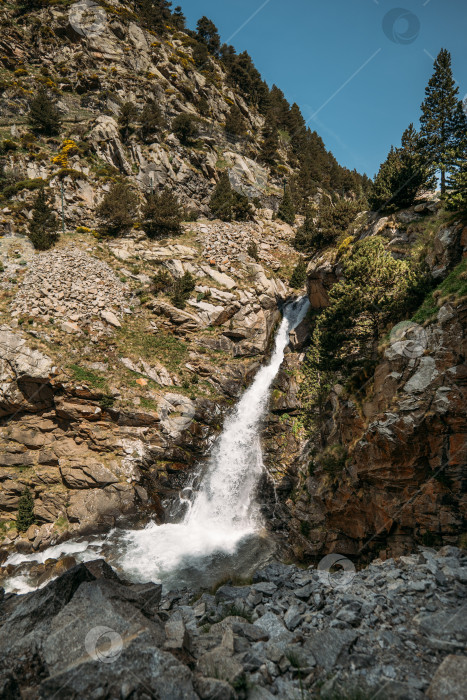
[
  {"x": 117, "y": 209},
  {"x": 127, "y": 115},
  {"x": 401, "y": 177},
  {"x": 227, "y": 204},
  {"x": 235, "y": 123},
  {"x": 298, "y": 277},
  {"x": 376, "y": 290},
  {"x": 155, "y": 14},
  {"x": 151, "y": 120},
  {"x": 43, "y": 226},
  {"x": 162, "y": 215},
  {"x": 221, "y": 203},
  {"x": 269, "y": 145},
  {"x": 185, "y": 128},
  {"x": 209, "y": 35},
  {"x": 201, "y": 56},
  {"x": 25, "y": 511},
  {"x": 178, "y": 18},
  {"x": 457, "y": 184},
  {"x": 443, "y": 122},
  {"x": 304, "y": 240},
  {"x": 43, "y": 115},
  {"x": 286, "y": 210}
]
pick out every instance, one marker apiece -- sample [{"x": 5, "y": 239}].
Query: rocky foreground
[{"x": 396, "y": 629}]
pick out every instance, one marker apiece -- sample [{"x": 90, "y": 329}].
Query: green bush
[
  {"x": 252, "y": 250},
  {"x": 181, "y": 290},
  {"x": 31, "y": 185}
]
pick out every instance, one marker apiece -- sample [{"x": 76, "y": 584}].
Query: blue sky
[{"x": 358, "y": 85}]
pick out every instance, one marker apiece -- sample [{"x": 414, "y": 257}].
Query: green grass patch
[
  {"x": 453, "y": 287},
  {"x": 148, "y": 404},
  {"x": 81, "y": 374},
  {"x": 164, "y": 347}
]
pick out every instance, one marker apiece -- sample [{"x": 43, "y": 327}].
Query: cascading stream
[{"x": 223, "y": 519}]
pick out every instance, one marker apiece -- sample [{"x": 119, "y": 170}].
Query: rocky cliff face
[
  {"x": 402, "y": 479},
  {"x": 91, "y": 75},
  {"x": 109, "y": 394}
]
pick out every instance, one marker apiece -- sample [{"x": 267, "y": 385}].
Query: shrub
[
  {"x": 43, "y": 114},
  {"x": 185, "y": 128},
  {"x": 181, "y": 290},
  {"x": 25, "y": 511},
  {"x": 333, "y": 459},
  {"x": 117, "y": 209},
  {"x": 43, "y": 227},
  {"x": 162, "y": 282},
  {"x": 162, "y": 215},
  {"x": 252, "y": 250}
]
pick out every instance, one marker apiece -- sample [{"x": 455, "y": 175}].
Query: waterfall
[
  {"x": 223, "y": 512},
  {"x": 220, "y": 532}
]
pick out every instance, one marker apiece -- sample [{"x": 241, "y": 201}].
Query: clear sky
[{"x": 356, "y": 68}]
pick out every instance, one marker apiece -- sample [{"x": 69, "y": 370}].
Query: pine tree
[
  {"x": 43, "y": 115},
  {"x": 162, "y": 215},
  {"x": 178, "y": 19},
  {"x": 221, "y": 203},
  {"x": 181, "y": 290},
  {"x": 43, "y": 227},
  {"x": 117, "y": 209},
  {"x": 235, "y": 123},
  {"x": 154, "y": 14},
  {"x": 227, "y": 204},
  {"x": 127, "y": 115},
  {"x": 151, "y": 120},
  {"x": 298, "y": 277},
  {"x": 209, "y": 35},
  {"x": 25, "y": 516},
  {"x": 305, "y": 236},
  {"x": 443, "y": 122},
  {"x": 185, "y": 128},
  {"x": 457, "y": 184},
  {"x": 201, "y": 56},
  {"x": 269, "y": 145},
  {"x": 401, "y": 177},
  {"x": 286, "y": 210},
  {"x": 376, "y": 290}
]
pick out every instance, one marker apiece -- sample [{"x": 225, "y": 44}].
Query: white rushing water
[
  {"x": 223, "y": 513},
  {"x": 224, "y": 510}
]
